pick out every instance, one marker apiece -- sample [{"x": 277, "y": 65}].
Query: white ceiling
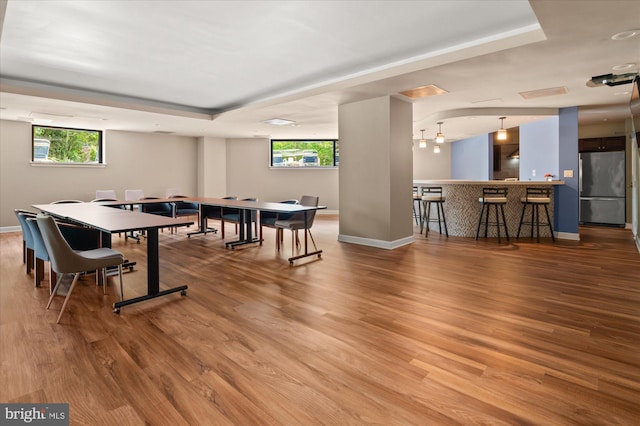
[{"x": 220, "y": 68}]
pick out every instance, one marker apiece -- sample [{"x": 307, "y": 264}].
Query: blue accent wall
[
  {"x": 567, "y": 197},
  {"x": 539, "y": 142},
  {"x": 551, "y": 146},
  {"x": 471, "y": 158}
]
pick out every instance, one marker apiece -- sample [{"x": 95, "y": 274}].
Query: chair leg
[
  {"x": 55, "y": 289},
  {"x": 524, "y": 208},
  {"x": 444, "y": 219},
  {"x": 546, "y": 210},
  {"x": 121, "y": 285},
  {"x": 39, "y": 272},
  {"x": 504, "y": 220},
  {"x": 480, "y": 221},
  {"x": 104, "y": 281},
  {"x": 495, "y": 207},
  {"x": 66, "y": 299},
  {"x": 312, "y": 240},
  {"x": 30, "y": 257}
]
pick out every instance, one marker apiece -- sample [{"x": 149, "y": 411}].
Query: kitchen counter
[{"x": 462, "y": 206}]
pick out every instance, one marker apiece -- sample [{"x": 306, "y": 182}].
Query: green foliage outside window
[
  {"x": 60, "y": 145},
  {"x": 304, "y": 153}
]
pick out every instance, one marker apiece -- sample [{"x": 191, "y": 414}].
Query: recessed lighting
[
  {"x": 623, "y": 67},
  {"x": 623, "y": 35},
  {"x": 279, "y": 121}
]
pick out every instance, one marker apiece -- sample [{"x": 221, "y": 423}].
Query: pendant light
[
  {"x": 502, "y": 133},
  {"x": 436, "y": 149},
  {"x": 423, "y": 141},
  {"x": 439, "y": 135}
]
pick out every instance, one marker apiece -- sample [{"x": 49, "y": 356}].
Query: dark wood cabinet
[{"x": 614, "y": 143}]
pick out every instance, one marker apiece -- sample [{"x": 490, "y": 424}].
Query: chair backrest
[
  {"x": 133, "y": 194},
  {"x": 106, "y": 193},
  {"x": 183, "y": 205},
  {"x": 307, "y": 200},
  {"x": 38, "y": 243},
  {"x": 494, "y": 193},
  {"x": 538, "y": 193},
  {"x": 67, "y": 202},
  {"x": 27, "y": 235},
  {"x": 62, "y": 257},
  {"x": 161, "y": 207},
  {"x": 434, "y": 191}
]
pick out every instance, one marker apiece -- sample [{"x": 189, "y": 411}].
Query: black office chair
[
  {"x": 213, "y": 213},
  {"x": 232, "y": 215},
  {"x": 184, "y": 208}
]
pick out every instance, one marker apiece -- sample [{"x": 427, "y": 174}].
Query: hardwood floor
[{"x": 443, "y": 331}]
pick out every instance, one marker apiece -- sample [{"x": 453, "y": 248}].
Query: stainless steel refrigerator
[{"x": 602, "y": 188}]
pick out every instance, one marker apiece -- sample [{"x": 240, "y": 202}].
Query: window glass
[
  {"x": 66, "y": 146},
  {"x": 304, "y": 153}
]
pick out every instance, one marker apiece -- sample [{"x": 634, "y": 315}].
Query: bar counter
[{"x": 462, "y": 206}]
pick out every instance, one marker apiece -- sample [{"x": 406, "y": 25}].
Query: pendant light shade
[
  {"x": 436, "y": 149},
  {"x": 439, "y": 135},
  {"x": 423, "y": 141},
  {"x": 502, "y": 133}
]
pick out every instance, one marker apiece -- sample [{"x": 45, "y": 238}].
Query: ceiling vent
[{"x": 541, "y": 93}]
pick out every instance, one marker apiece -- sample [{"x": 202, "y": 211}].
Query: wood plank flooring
[{"x": 441, "y": 332}]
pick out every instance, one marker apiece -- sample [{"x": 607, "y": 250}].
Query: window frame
[
  {"x": 335, "y": 150},
  {"x": 100, "y": 159}
]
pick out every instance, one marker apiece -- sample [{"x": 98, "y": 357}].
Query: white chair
[
  {"x": 107, "y": 194},
  {"x": 65, "y": 260},
  {"x": 133, "y": 194}
]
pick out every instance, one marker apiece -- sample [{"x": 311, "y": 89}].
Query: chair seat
[
  {"x": 100, "y": 258},
  {"x": 433, "y": 198},
  {"x": 290, "y": 224},
  {"x": 493, "y": 200},
  {"x": 536, "y": 200}
]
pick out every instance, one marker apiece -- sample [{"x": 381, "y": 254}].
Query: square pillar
[{"x": 376, "y": 172}]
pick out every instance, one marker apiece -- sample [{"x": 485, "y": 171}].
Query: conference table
[
  {"x": 108, "y": 221},
  {"x": 246, "y": 209}
]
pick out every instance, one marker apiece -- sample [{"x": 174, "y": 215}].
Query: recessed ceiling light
[
  {"x": 623, "y": 35},
  {"x": 423, "y": 91},
  {"x": 623, "y": 67},
  {"x": 278, "y": 121}
]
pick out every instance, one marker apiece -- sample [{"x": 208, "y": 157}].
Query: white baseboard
[
  {"x": 388, "y": 245},
  {"x": 567, "y": 236},
  {"x": 10, "y": 229}
]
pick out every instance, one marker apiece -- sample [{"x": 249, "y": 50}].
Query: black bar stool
[
  {"x": 493, "y": 197},
  {"x": 417, "y": 200},
  {"x": 536, "y": 198},
  {"x": 433, "y": 195}
]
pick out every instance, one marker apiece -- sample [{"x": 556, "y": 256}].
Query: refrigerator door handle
[{"x": 580, "y": 177}]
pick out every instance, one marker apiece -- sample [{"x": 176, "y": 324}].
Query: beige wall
[
  {"x": 144, "y": 161},
  {"x": 249, "y": 175},
  {"x": 197, "y": 166},
  {"x": 428, "y": 165}
]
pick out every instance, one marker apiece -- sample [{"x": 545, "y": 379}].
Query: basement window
[
  {"x": 296, "y": 154},
  {"x": 65, "y": 146}
]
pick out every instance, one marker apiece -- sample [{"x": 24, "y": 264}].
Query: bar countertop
[{"x": 486, "y": 182}]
